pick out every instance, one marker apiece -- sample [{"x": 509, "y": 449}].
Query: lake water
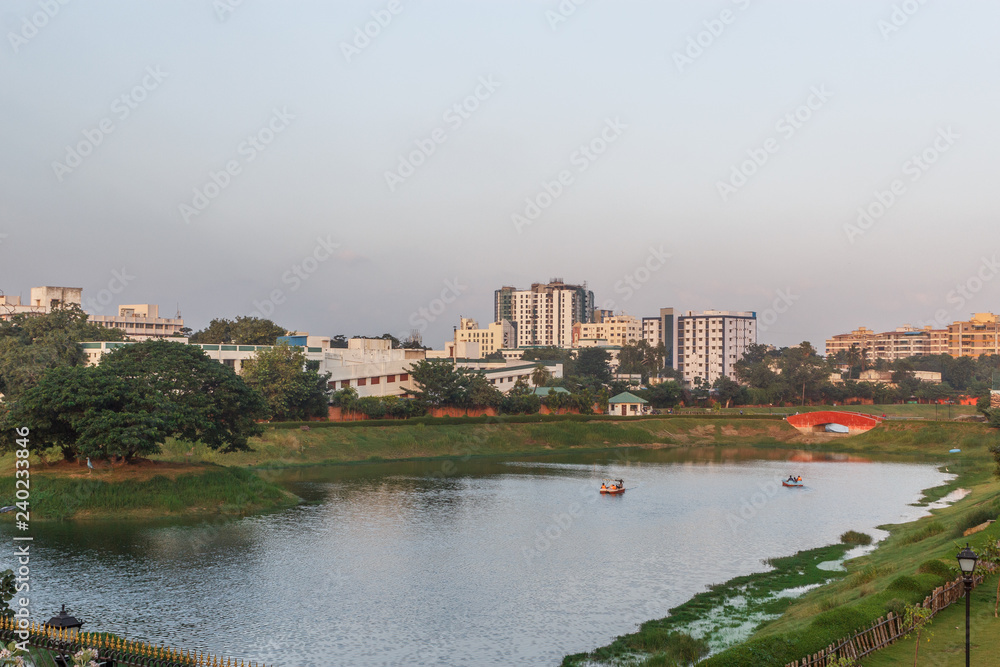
[{"x": 484, "y": 562}]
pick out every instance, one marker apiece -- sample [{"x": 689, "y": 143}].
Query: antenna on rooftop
[{"x": 178, "y": 316}]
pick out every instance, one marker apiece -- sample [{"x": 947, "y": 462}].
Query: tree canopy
[
  {"x": 32, "y": 344},
  {"x": 441, "y": 383},
  {"x": 137, "y": 397},
  {"x": 241, "y": 331},
  {"x": 293, "y": 388}
]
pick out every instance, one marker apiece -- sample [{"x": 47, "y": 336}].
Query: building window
[
  {"x": 390, "y": 378},
  {"x": 403, "y": 377},
  {"x": 344, "y": 384},
  {"x": 362, "y": 382},
  {"x": 376, "y": 380}
]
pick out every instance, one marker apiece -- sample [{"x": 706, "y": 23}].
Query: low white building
[{"x": 370, "y": 366}]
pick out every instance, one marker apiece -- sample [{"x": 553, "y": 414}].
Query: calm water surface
[{"x": 490, "y": 563}]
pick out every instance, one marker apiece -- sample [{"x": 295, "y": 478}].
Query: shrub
[{"x": 854, "y": 537}]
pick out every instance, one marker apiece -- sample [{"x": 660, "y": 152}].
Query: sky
[{"x": 366, "y": 167}]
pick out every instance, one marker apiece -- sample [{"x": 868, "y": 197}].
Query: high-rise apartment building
[
  {"x": 708, "y": 344},
  {"x": 545, "y": 314}
]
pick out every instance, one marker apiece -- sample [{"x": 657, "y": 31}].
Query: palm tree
[{"x": 540, "y": 376}]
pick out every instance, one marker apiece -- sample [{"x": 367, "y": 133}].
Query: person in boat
[{"x": 604, "y": 487}]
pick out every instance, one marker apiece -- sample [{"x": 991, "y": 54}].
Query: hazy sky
[{"x": 233, "y": 157}]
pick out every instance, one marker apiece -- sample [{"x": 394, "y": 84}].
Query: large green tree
[
  {"x": 241, "y": 331},
  {"x": 137, "y": 397},
  {"x": 30, "y": 345},
  {"x": 292, "y": 387},
  {"x": 442, "y": 383},
  {"x": 593, "y": 362}
]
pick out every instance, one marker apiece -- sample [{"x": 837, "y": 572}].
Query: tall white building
[
  {"x": 708, "y": 344},
  {"x": 545, "y": 314},
  {"x": 652, "y": 330}
]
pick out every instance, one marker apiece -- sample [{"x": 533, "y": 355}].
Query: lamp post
[{"x": 967, "y": 562}]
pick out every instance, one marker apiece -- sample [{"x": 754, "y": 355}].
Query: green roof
[
  {"x": 545, "y": 391},
  {"x": 627, "y": 397}
]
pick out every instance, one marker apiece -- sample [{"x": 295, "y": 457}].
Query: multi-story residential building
[
  {"x": 978, "y": 336},
  {"x": 862, "y": 337},
  {"x": 497, "y": 336},
  {"x": 616, "y": 330},
  {"x": 652, "y": 330},
  {"x": 905, "y": 341},
  {"x": 140, "y": 321},
  {"x": 545, "y": 314},
  {"x": 708, "y": 344},
  {"x": 43, "y": 300}
]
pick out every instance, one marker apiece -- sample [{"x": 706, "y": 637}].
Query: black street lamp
[{"x": 967, "y": 562}]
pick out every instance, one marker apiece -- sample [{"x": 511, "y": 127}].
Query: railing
[
  {"x": 51, "y": 647},
  {"x": 889, "y": 628}
]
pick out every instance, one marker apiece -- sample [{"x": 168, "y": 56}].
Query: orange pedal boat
[{"x": 612, "y": 486}]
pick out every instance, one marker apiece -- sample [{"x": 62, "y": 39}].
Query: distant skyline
[{"x": 339, "y": 168}]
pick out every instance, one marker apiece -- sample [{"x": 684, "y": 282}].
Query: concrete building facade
[
  {"x": 708, "y": 344},
  {"x": 497, "y": 336},
  {"x": 140, "y": 321},
  {"x": 42, "y": 301},
  {"x": 616, "y": 330},
  {"x": 545, "y": 314}
]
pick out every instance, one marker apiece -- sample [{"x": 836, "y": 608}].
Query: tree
[
  {"x": 520, "y": 400},
  {"x": 663, "y": 395},
  {"x": 338, "y": 341},
  {"x": 540, "y": 376},
  {"x": 727, "y": 390},
  {"x": 93, "y": 413},
  {"x": 593, "y": 361},
  {"x": 32, "y": 344},
  {"x": 441, "y": 383},
  {"x": 135, "y": 399},
  {"x": 293, "y": 389},
  {"x": 241, "y": 331},
  {"x": 556, "y": 354},
  {"x": 205, "y": 400}
]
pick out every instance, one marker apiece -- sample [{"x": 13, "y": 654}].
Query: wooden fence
[
  {"x": 50, "y": 647},
  {"x": 889, "y": 628}
]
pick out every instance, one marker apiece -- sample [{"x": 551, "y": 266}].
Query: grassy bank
[
  {"x": 725, "y": 610},
  {"x": 281, "y": 447},
  {"x": 148, "y": 493}
]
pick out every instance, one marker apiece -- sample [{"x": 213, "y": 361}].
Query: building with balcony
[{"x": 709, "y": 344}]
